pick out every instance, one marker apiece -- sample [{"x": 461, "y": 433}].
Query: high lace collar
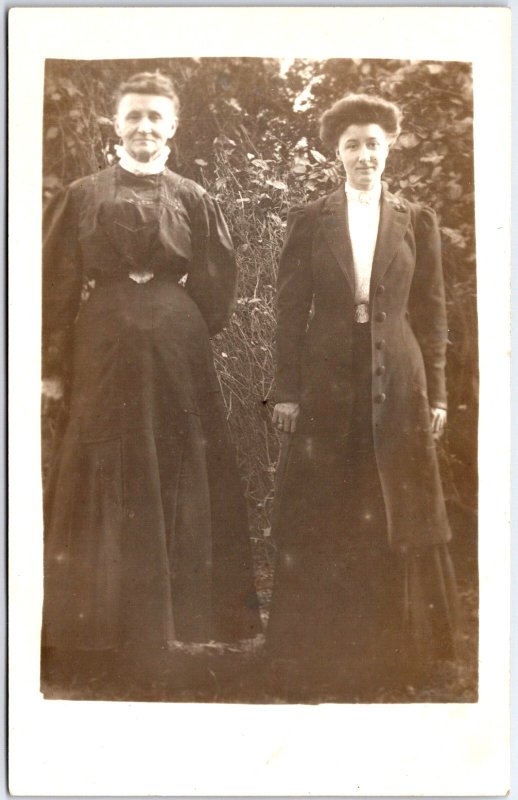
[
  {"x": 365, "y": 197},
  {"x": 153, "y": 167}
]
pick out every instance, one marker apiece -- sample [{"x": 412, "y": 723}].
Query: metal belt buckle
[
  {"x": 141, "y": 277},
  {"x": 361, "y": 313}
]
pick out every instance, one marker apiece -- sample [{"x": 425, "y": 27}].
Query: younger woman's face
[
  {"x": 145, "y": 122},
  {"x": 363, "y": 150}
]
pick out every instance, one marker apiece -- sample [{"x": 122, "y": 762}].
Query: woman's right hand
[{"x": 285, "y": 417}]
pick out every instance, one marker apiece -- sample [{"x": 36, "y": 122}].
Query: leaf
[
  {"x": 224, "y": 141},
  {"x": 318, "y": 156},
  {"x": 200, "y": 162},
  {"x": 277, "y": 184},
  {"x": 455, "y": 237},
  {"x": 434, "y": 69},
  {"x": 408, "y": 140},
  {"x": 454, "y": 191},
  {"x": 299, "y": 169},
  {"x": 433, "y": 158},
  {"x": 462, "y": 126},
  {"x": 52, "y": 182},
  {"x": 258, "y": 162},
  {"x": 53, "y": 132},
  {"x": 104, "y": 121},
  {"x": 69, "y": 87},
  {"x": 275, "y": 218}
]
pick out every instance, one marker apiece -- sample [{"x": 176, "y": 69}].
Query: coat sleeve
[
  {"x": 212, "y": 277},
  {"x": 293, "y": 303},
  {"x": 428, "y": 306},
  {"x": 61, "y": 284}
]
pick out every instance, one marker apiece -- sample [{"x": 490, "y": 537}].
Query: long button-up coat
[{"x": 315, "y": 309}]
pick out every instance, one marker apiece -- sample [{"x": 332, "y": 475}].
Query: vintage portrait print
[
  {"x": 262, "y": 341},
  {"x": 336, "y": 198}
]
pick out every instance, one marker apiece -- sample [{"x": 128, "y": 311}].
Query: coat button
[
  {"x": 380, "y": 398},
  {"x": 380, "y": 316},
  {"x": 380, "y": 344},
  {"x": 381, "y": 369},
  {"x": 381, "y": 289}
]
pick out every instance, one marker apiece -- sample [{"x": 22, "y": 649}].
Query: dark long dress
[
  {"x": 349, "y": 609},
  {"x": 146, "y": 536}
]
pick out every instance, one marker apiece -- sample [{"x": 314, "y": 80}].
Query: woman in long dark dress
[
  {"x": 364, "y": 587},
  {"x": 146, "y": 536}
]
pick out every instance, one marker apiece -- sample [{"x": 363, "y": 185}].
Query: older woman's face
[
  {"x": 145, "y": 122},
  {"x": 363, "y": 150}
]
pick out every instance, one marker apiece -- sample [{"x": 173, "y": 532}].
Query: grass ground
[{"x": 241, "y": 674}]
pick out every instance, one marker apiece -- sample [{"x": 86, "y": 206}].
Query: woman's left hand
[{"x": 439, "y": 417}]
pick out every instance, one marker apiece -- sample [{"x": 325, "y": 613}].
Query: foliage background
[{"x": 249, "y": 134}]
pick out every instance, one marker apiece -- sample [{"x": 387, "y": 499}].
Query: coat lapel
[
  {"x": 336, "y": 232},
  {"x": 394, "y": 219}
]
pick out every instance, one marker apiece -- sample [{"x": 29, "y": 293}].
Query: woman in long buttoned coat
[{"x": 364, "y": 582}]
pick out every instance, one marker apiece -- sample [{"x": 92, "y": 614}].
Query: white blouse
[{"x": 363, "y": 212}]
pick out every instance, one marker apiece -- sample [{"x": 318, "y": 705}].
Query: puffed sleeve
[
  {"x": 428, "y": 305},
  {"x": 293, "y": 303},
  {"x": 61, "y": 284},
  {"x": 212, "y": 277}
]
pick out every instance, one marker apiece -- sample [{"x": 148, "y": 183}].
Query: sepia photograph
[
  {"x": 260, "y": 364},
  {"x": 259, "y": 381}
]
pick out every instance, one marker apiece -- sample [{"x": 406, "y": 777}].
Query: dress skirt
[
  {"x": 346, "y": 607},
  {"x": 146, "y": 535}
]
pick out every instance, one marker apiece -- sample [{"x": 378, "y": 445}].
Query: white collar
[
  {"x": 365, "y": 197},
  {"x": 153, "y": 167}
]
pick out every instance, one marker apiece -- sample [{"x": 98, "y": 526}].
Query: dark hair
[
  {"x": 148, "y": 83},
  {"x": 358, "y": 109}
]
